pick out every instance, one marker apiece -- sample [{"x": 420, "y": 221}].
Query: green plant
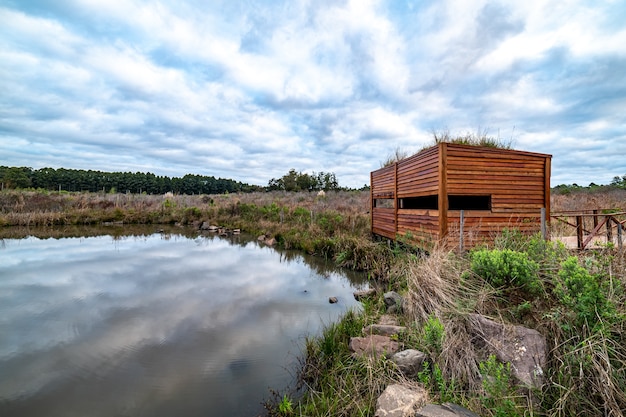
[
  {"x": 581, "y": 292},
  {"x": 498, "y": 396},
  {"x": 433, "y": 334},
  {"x": 168, "y": 204},
  {"x": 507, "y": 269},
  {"x": 433, "y": 379},
  {"x": 285, "y": 406}
]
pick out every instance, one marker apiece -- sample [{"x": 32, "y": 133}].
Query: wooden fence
[{"x": 590, "y": 225}]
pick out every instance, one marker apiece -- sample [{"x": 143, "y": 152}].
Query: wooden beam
[
  {"x": 546, "y": 199},
  {"x": 595, "y": 230},
  {"x": 443, "y": 190},
  {"x": 395, "y": 197},
  {"x": 372, "y": 202},
  {"x": 579, "y": 232}
]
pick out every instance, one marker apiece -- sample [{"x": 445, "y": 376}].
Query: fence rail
[{"x": 588, "y": 224}]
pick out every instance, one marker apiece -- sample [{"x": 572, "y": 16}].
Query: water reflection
[{"x": 155, "y": 324}]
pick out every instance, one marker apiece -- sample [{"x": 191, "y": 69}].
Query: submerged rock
[{"x": 360, "y": 295}]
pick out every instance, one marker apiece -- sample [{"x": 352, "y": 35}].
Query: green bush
[
  {"x": 507, "y": 268},
  {"x": 581, "y": 291}
]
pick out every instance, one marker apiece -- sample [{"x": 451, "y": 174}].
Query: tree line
[
  {"x": 616, "y": 182},
  {"x": 298, "y": 181},
  {"x": 110, "y": 182},
  {"x": 62, "y": 179}
]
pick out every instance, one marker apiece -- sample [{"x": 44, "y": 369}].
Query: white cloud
[{"x": 312, "y": 86}]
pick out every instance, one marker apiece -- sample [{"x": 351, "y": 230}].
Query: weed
[
  {"x": 433, "y": 334},
  {"x": 285, "y": 406},
  {"x": 498, "y": 396}
]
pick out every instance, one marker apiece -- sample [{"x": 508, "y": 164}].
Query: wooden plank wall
[
  {"x": 383, "y": 182},
  {"x": 419, "y": 175},
  {"x": 383, "y": 186},
  {"x": 518, "y": 183}
]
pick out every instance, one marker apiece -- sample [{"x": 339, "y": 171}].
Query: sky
[{"x": 248, "y": 90}]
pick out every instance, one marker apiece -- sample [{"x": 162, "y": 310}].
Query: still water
[{"x": 156, "y": 324}]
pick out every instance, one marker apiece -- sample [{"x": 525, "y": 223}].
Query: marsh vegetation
[{"x": 576, "y": 299}]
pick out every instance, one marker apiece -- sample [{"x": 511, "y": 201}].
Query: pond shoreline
[{"x": 443, "y": 290}]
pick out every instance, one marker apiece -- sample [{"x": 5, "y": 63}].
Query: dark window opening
[
  {"x": 469, "y": 202},
  {"x": 383, "y": 202},
  {"x": 428, "y": 202}
]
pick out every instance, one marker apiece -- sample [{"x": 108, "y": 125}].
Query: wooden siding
[
  {"x": 517, "y": 184},
  {"x": 384, "y": 223},
  {"x": 383, "y": 182},
  {"x": 419, "y": 174},
  {"x": 421, "y": 224}
]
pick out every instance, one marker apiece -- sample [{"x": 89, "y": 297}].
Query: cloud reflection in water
[{"x": 153, "y": 326}]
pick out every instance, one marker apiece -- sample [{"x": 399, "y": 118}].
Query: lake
[{"x": 156, "y": 324}]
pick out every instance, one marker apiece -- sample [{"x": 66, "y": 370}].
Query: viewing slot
[
  {"x": 428, "y": 202},
  {"x": 469, "y": 202}
]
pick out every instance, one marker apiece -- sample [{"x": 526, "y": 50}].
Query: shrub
[
  {"x": 580, "y": 291},
  {"x": 507, "y": 268}
]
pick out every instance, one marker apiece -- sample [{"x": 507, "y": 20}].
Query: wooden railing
[{"x": 589, "y": 224}]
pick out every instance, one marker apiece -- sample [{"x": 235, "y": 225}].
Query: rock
[
  {"x": 383, "y": 329},
  {"x": 333, "y": 300},
  {"x": 444, "y": 410},
  {"x": 373, "y": 345},
  {"x": 400, "y": 401},
  {"x": 525, "y": 349},
  {"x": 459, "y": 411},
  {"x": 410, "y": 362},
  {"x": 359, "y": 295},
  {"x": 261, "y": 238},
  {"x": 434, "y": 410},
  {"x": 388, "y": 319},
  {"x": 393, "y": 301},
  {"x": 270, "y": 241},
  {"x": 209, "y": 227}
]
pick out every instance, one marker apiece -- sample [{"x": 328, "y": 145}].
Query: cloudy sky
[{"x": 249, "y": 89}]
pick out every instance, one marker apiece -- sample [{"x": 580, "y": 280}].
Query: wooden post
[
  {"x": 595, "y": 218},
  {"x": 461, "y": 225},
  {"x": 619, "y": 233},
  {"x": 372, "y": 203},
  {"x": 579, "y": 231},
  {"x": 396, "y": 202},
  {"x": 609, "y": 231},
  {"x": 443, "y": 191},
  {"x": 547, "y": 169},
  {"x": 544, "y": 229}
]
